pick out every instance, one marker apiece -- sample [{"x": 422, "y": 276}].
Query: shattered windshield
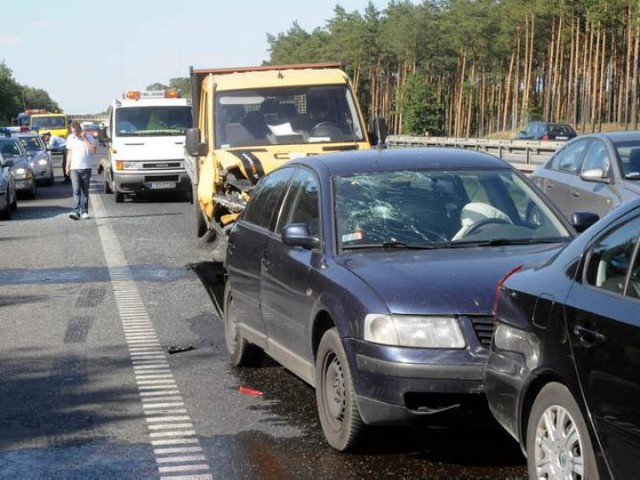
[
  {"x": 286, "y": 116},
  {"x": 441, "y": 208},
  {"x": 153, "y": 121}
]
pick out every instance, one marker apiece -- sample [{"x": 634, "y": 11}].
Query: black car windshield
[
  {"x": 157, "y": 121},
  {"x": 292, "y": 115},
  {"x": 441, "y": 209}
]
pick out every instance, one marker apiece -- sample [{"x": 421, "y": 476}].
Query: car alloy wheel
[
  {"x": 558, "y": 442},
  {"x": 335, "y": 395}
]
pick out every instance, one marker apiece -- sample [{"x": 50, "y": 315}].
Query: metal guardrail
[{"x": 524, "y": 154}]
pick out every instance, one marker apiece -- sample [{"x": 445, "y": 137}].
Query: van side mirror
[
  {"x": 102, "y": 135},
  {"x": 378, "y": 131},
  {"x": 195, "y": 147}
]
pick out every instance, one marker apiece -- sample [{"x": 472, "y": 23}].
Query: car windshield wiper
[
  {"x": 497, "y": 242},
  {"x": 393, "y": 244}
]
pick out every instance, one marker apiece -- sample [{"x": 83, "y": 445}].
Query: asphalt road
[{"x": 89, "y": 313}]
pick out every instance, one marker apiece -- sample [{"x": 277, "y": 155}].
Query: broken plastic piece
[
  {"x": 177, "y": 349},
  {"x": 249, "y": 391}
]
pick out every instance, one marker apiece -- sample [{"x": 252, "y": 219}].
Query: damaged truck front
[{"x": 251, "y": 120}]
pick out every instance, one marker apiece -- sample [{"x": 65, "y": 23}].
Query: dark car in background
[
  {"x": 563, "y": 375},
  {"x": 547, "y": 131},
  {"x": 8, "y": 195},
  {"x": 39, "y": 157},
  {"x": 371, "y": 275},
  {"x": 594, "y": 172},
  {"x": 12, "y": 149}
]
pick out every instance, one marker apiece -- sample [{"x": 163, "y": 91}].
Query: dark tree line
[
  {"x": 15, "y": 98},
  {"x": 474, "y": 67}
]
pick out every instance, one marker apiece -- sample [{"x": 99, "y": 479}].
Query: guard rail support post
[
  {"x": 500, "y": 155},
  {"x": 528, "y": 156}
]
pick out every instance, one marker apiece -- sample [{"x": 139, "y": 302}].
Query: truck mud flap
[{"x": 212, "y": 276}]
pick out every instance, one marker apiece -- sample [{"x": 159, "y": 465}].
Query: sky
[{"x": 86, "y": 54}]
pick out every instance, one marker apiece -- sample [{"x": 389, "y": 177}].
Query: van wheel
[
  {"x": 106, "y": 184},
  {"x": 119, "y": 197},
  {"x": 335, "y": 395},
  {"x": 243, "y": 353},
  {"x": 199, "y": 223},
  {"x": 558, "y": 442}
]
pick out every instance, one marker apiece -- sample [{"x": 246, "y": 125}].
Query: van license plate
[{"x": 162, "y": 185}]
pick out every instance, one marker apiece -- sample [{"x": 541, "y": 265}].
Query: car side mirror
[
  {"x": 298, "y": 235},
  {"x": 195, "y": 147},
  {"x": 582, "y": 220},
  {"x": 594, "y": 175},
  {"x": 102, "y": 135}
]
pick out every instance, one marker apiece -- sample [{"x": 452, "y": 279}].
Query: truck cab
[
  {"x": 57, "y": 124},
  {"x": 251, "y": 120},
  {"x": 146, "y": 133}
]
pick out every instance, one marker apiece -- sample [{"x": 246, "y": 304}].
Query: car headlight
[
  {"x": 20, "y": 171},
  {"x": 42, "y": 161},
  {"x": 413, "y": 331},
  {"x": 511, "y": 339}
]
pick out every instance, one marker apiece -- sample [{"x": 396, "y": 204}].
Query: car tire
[
  {"x": 32, "y": 193},
  {"x": 553, "y": 459},
  {"x": 52, "y": 179},
  {"x": 14, "y": 203},
  {"x": 119, "y": 197},
  {"x": 243, "y": 353},
  {"x": 335, "y": 395},
  {"x": 106, "y": 184},
  {"x": 5, "y": 214},
  {"x": 199, "y": 223}
]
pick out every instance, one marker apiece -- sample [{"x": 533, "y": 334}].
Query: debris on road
[
  {"x": 249, "y": 391},
  {"x": 178, "y": 349}
]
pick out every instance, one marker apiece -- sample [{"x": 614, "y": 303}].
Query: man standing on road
[{"x": 80, "y": 146}]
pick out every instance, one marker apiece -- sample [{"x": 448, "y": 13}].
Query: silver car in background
[
  {"x": 595, "y": 172},
  {"x": 39, "y": 157},
  {"x": 8, "y": 196}
]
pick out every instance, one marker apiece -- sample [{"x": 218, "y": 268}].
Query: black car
[
  {"x": 371, "y": 275},
  {"x": 12, "y": 149},
  {"x": 563, "y": 375},
  {"x": 547, "y": 131}
]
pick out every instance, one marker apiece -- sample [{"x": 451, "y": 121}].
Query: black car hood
[{"x": 443, "y": 281}]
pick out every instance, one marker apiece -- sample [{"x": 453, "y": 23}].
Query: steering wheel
[
  {"x": 326, "y": 129},
  {"x": 486, "y": 221}
]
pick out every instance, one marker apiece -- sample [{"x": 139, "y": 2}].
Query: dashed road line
[{"x": 168, "y": 423}]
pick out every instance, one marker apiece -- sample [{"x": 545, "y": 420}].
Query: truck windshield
[
  {"x": 156, "y": 121},
  {"x": 48, "y": 122},
  {"x": 295, "y": 115}
]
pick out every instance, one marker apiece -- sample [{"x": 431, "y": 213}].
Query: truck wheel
[
  {"x": 106, "y": 184},
  {"x": 200, "y": 225},
  {"x": 119, "y": 197}
]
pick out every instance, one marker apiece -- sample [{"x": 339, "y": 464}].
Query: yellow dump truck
[{"x": 250, "y": 120}]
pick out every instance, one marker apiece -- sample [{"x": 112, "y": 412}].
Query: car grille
[{"x": 483, "y": 326}]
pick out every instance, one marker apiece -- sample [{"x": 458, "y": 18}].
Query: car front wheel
[
  {"x": 243, "y": 353},
  {"x": 335, "y": 396},
  {"x": 558, "y": 442}
]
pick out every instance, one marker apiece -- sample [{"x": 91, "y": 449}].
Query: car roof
[{"x": 378, "y": 160}]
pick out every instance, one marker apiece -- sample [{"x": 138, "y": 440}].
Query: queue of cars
[{"x": 25, "y": 162}]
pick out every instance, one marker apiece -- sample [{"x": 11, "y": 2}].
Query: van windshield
[
  {"x": 153, "y": 121},
  {"x": 294, "y": 115}
]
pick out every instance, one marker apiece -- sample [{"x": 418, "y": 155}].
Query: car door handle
[{"x": 588, "y": 337}]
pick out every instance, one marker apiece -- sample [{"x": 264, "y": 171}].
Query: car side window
[
  {"x": 610, "y": 258},
  {"x": 301, "y": 205},
  {"x": 568, "y": 159},
  {"x": 265, "y": 201},
  {"x": 596, "y": 157}
]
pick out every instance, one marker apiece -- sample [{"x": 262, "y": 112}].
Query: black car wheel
[
  {"x": 119, "y": 197},
  {"x": 5, "y": 214},
  {"x": 243, "y": 353},
  {"x": 558, "y": 442},
  {"x": 14, "y": 203},
  {"x": 339, "y": 416}
]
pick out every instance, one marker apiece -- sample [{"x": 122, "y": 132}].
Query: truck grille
[{"x": 483, "y": 326}]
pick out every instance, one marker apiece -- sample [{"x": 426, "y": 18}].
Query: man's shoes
[
  {"x": 74, "y": 216},
  {"x": 85, "y": 215}
]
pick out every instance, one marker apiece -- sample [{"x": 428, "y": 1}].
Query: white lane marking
[
  {"x": 188, "y": 477},
  {"x": 160, "y": 397}
]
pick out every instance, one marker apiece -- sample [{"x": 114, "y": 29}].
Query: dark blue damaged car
[{"x": 372, "y": 275}]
